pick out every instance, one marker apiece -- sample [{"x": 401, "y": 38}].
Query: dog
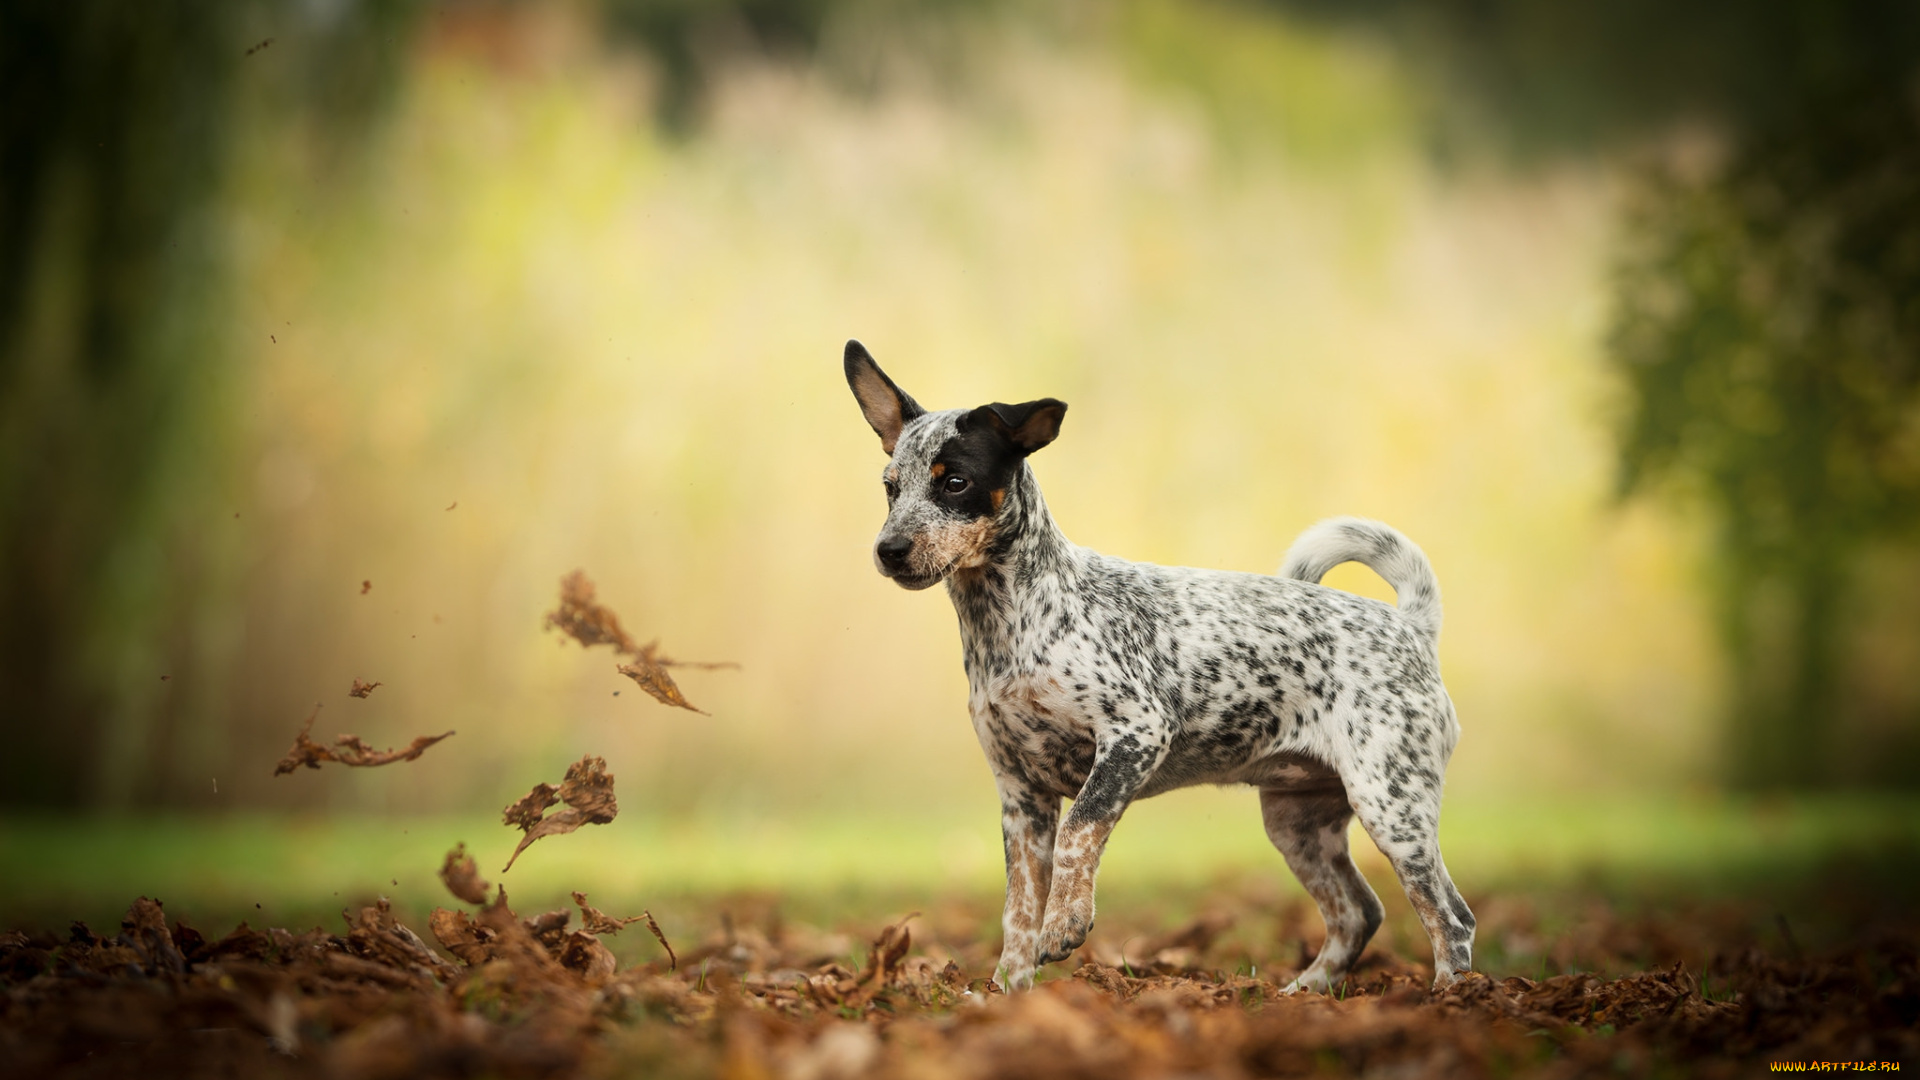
[{"x": 1104, "y": 681}]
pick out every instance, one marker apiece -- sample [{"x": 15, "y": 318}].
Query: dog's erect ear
[
  {"x": 886, "y": 406},
  {"x": 1028, "y": 426}
]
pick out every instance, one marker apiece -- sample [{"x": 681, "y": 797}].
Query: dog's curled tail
[{"x": 1383, "y": 549}]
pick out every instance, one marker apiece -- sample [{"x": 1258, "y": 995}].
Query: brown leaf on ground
[
  {"x": 535, "y": 999},
  {"x": 588, "y": 793},
  {"x": 460, "y": 936},
  {"x": 462, "y": 876},
  {"x": 883, "y": 961},
  {"x": 144, "y": 930},
  {"x": 347, "y": 750},
  {"x": 363, "y": 689},
  {"x": 582, "y": 952},
  {"x": 376, "y": 935},
  {"x": 673, "y": 962},
  {"x": 594, "y": 921}
]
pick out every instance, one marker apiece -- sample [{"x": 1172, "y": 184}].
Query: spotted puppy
[{"x": 1105, "y": 681}]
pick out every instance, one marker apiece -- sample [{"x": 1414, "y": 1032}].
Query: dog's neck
[{"x": 1029, "y": 553}]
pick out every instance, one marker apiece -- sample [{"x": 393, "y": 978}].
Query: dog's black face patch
[
  {"x": 948, "y": 488},
  {"x": 970, "y": 472}
]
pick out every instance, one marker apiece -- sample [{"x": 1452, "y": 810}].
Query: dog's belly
[
  {"x": 1050, "y": 744},
  {"x": 1284, "y": 770}
]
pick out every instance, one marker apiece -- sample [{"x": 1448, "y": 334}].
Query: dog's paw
[
  {"x": 1013, "y": 978},
  {"x": 1446, "y": 979},
  {"x": 1311, "y": 982},
  {"x": 1057, "y": 942}
]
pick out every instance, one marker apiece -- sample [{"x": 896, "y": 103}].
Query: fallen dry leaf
[
  {"x": 459, "y": 936},
  {"x": 594, "y": 921},
  {"x": 535, "y": 998},
  {"x": 347, "y": 750},
  {"x": 588, "y": 793},
  {"x": 376, "y": 935},
  {"x": 883, "y": 960},
  {"x": 590, "y": 623},
  {"x": 462, "y": 876},
  {"x": 673, "y": 962},
  {"x": 363, "y": 689}
]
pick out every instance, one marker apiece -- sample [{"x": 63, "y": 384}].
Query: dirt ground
[{"x": 1717, "y": 988}]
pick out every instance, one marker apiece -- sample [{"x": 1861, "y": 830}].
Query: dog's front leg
[
  {"x": 1029, "y": 818},
  {"x": 1120, "y": 767}
]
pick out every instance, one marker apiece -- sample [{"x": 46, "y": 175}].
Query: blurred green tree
[
  {"x": 1766, "y": 328},
  {"x": 1767, "y": 331},
  {"x": 109, "y": 148},
  {"x": 117, "y": 124}
]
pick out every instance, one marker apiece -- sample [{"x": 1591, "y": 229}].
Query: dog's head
[{"x": 947, "y": 483}]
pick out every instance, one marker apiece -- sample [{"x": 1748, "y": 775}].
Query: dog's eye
[
  {"x": 955, "y": 485},
  {"x": 893, "y": 489}
]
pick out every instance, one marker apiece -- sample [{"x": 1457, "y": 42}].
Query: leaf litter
[
  {"x": 588, "y": 792},
  {"x": 347, "y": 749},
  {"x": 539, "y": 996},
  {"x": 582, "y": 617}
]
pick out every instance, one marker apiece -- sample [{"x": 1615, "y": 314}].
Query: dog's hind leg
[
  {"x": 1310, "y": 829},
  {"x": 1407, "y": 831}
]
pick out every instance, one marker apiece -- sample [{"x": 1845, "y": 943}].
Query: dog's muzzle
[
  {"x": 893, "y": 556},
  {"x": 891, "y": 553}
]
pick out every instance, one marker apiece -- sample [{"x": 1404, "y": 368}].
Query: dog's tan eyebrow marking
[
  {"x": 893, "y": 474},
  {"x": 939, "y": 469},
  {"x": 999, "y": 496}
]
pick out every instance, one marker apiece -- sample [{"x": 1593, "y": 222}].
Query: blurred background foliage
[{"x": 452, "y": 298}]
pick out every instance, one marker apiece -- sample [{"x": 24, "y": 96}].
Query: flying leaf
[
  {"x": 583, "y": 618},
  {"x": 462, "y": 876},
  {"x": 363, "y": 689},
  {"x": 649, "y": 670},
  {"x": 588, "y": 793},
  {"x": 347, "y": 750}
]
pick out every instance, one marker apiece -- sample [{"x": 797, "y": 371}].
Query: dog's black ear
[
  {"x": 1028, "y": 426},
  {"x": 886, "y": 406}
]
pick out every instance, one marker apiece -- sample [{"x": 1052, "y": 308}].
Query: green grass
[{"x": 301, "y": 869}]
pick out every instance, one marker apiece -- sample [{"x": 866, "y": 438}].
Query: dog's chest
[{"x": 1032, "y": 723}]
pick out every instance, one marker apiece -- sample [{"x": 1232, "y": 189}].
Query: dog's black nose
[{"x": 893, "y": 552}]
